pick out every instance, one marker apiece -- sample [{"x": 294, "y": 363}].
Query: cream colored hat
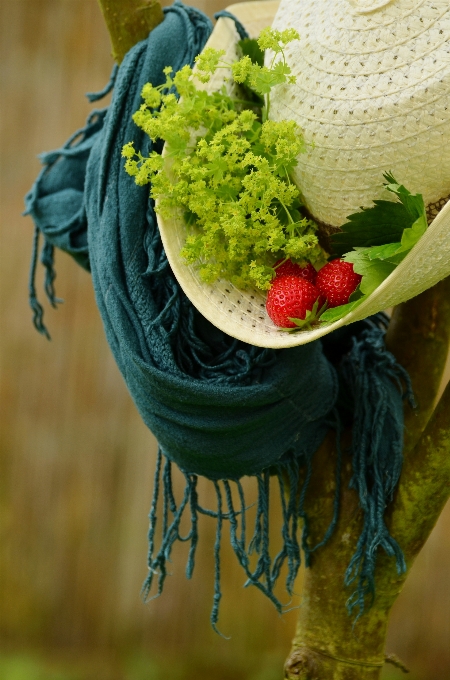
[{"x": 372, "y": 95}]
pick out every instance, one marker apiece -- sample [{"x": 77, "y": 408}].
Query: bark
[
  {"x": 327, "y": 646},
  {"x": 129, "y": 22},
  {"x": 419, "y": 336}
]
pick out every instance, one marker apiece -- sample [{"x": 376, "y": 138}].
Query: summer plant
[{"x": 227, "y": 166}]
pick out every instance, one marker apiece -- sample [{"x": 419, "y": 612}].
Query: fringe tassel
[
  {"x": 95, "y": 96},
  {"x": 374, "y": 379},
  {"x": 266, "y": 572},
  {"x": 376, "y": 384},
  {"x": 38, "y": 312},
  {"x": 217, "y": 589},
  {"x": 47, "y": 259}
]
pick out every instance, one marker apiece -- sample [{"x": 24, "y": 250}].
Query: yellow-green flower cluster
[{"x": 229, "y": 170}]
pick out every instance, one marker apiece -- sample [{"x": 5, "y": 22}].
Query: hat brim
[{"x": 242, "y": 314}]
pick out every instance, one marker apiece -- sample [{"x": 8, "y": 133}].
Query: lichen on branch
[{"x": 129, "y": 22}]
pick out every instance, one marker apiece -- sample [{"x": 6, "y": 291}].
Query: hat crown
[
  {"x": 366, "y": 6},
  {"x": 372, "y": 95}
]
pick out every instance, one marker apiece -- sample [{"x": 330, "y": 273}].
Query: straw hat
[{"x": 373, "y": 94}]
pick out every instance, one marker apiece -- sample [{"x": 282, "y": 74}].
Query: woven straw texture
[
  {"x": 372, "y": 95},
  {"x": 351, "y": 150}
]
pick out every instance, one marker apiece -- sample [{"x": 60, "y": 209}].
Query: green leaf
[
  {"x": 396, "y": 259},
  {"x": 311, "y": 318},
  {"x": 373, "y": 272},
  {"x": 356, "y": 295},
  {"x": 250, "y": 48},
  {"x": 413, "y": 234},
  {"x": 263, "y": 81},
  {"x": 217, "y": 168},
  {"x": 396, "y": 252},
  {"x": 281, "y": 70},
  {"x": 385, "y": 223},
  {"x": 337, "y": 313},
  {"x": 384, "y": 252},
  {"x": 382, "y": 224},
  {"x": 412, "y": 202}
]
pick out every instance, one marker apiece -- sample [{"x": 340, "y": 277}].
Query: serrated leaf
[
  {"x": 413, "y": 203},
  {"x": 264, "y": 80},
  {"x": 396, "y": 252},
  {"x": 281, "y": 70},
  {"x": 382, "y": 224},
  {"x": 336, "y": 313},
  {"x": 403, "y": 222},
  {"x": 373, "y": 272}
]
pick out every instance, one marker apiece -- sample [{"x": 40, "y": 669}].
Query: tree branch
[
  {"x": 419, "y": 338},
  {"x": 425, "y": 483},
  {"x": 326, "y": 645},
  {"x": 129, "y": 22}
]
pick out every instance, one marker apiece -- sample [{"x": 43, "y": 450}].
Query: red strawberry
[
  {"x": 337, "y": 281},
  {"x": 290, "y": 297},
  {"x": 290, "y": 268}
]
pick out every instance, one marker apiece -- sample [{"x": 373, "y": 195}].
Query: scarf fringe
[
  {"x": 288, "y": 476},
  {"x": 377, "y": 385},
  {"x": 374, "y": 380}
]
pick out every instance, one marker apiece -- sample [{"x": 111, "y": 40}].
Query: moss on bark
[
  {"x": 129, "y": 21},
  {"x": 327, "y": 646}
]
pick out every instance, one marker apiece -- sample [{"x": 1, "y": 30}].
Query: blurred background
[{"x": 77, "y": 462}]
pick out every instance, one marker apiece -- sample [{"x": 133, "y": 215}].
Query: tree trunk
[{"x": 328, "y": 644}]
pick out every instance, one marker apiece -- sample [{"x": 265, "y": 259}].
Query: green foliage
[
  {"x": 381, "y": 224},
  {"x": 250, "y": 71},
  {"x": 381, "y": 237},
  {"x": 386, "y": 223},
  {"x": 250, "y": 48},
  {"x": 336, "y": 313},
  {"x": 227, "y": 167},
  {"x": 310, "y": 320},
  {"x": 373, "y": 272}
]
